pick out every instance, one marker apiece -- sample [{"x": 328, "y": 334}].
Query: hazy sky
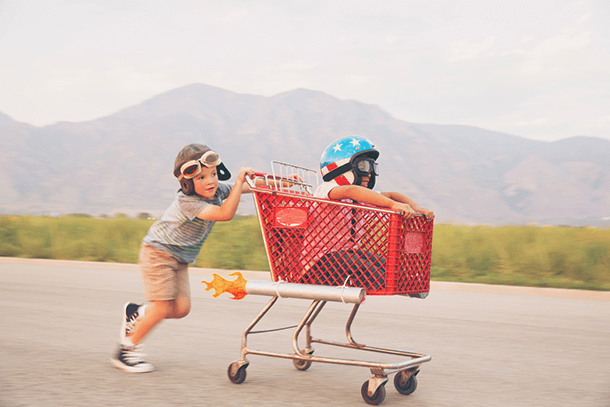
[{"x": 537, "y": 69}]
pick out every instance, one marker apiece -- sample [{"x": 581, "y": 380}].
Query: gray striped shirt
[{"x": 179, "y": 231}]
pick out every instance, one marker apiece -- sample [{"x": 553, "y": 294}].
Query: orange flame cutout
[{"x": 235, "y": 287}]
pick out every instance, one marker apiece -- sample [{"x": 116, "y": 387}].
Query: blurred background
[
  {"x": 488, "y": 112},
  {"x": 493, "y": 114}
]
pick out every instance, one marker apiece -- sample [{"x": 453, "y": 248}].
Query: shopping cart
[{"x": 314, "y": 244}]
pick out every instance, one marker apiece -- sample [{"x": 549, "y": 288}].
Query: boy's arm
[
  {"x": 228, "y": 208},
  {"x": 398, "y": 197},
  {"x": 392, "y": 200},
  {"x": 367, "y": 196},
  {"x": 259, "y": 182}
]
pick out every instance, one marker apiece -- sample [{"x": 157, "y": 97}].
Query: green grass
[
  {"x": 73, "y": 238},
  {"x": 235, "y": 245},
  {"x": 558, "y": 257},
  {"x": 531, "y": 256}
]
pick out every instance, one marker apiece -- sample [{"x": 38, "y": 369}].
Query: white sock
[
  {"x": 142, "y": 310},
  {"x": 127, "y": 342}
]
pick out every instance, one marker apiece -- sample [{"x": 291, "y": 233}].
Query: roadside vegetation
[{"x": 560, "y": 257}]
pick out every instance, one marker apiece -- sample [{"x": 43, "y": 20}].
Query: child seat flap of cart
[{"x": 317, "y": 247}]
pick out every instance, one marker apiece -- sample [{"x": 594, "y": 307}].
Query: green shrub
[
  {"x": 534, "y": 256},
  {"x": 235, "y": 245},
  {"x": 537, "y": 256}
]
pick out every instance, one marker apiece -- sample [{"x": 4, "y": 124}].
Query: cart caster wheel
[
  {"x": 238, "y": 376},
  {"x": 377, "y": 398},
  {"x": 403, "y": 386},
  {"x": 301, "y": 364}
]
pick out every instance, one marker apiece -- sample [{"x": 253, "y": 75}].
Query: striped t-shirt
[{"x": 179, "y": 231}]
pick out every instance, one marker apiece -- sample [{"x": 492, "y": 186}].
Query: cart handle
[
  {"x": 250, "y": 181},
  {"x": 268, "y": 176}
]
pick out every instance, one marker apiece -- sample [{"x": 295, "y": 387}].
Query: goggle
[
  {"x": 365, "y": 166},
  {"x": 192, "y": 168}
]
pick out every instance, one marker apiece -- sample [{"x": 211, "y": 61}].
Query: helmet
[
  {"x": 347, "y": 159},
  {"x": 195, "y": 152}
]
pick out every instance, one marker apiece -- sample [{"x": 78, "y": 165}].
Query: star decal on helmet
[{"x": 337, "y": 147}]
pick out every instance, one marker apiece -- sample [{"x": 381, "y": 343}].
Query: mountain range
[{"x": 123, "y": 162}]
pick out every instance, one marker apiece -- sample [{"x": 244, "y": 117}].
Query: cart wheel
[
  {"x": 377, "y": 398},
  {"x": 403, "y": 386},
  {"x": 301, "y": 364},
  {"x": 239, "y": 376}
]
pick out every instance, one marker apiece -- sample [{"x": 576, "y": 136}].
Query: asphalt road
[{"x": 59, "y": 325}]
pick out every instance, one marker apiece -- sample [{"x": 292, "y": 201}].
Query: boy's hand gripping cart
[{"x": 315, "y": 248}]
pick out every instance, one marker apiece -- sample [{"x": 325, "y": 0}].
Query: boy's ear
[{"x": 187, "y": 186}]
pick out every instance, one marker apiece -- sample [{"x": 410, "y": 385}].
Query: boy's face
[{"x": 206, "y": 182}]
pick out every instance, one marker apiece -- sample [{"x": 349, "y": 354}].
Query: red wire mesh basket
[{"x": 318, "y": 241}]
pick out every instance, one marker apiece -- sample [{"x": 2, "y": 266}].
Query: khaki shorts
[{"x": 164, "y": 278}]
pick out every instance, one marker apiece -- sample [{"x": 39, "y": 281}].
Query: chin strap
[{"x": 371, "y": 183}]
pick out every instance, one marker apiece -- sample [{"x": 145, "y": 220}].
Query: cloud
[
  {"x": 462, "y": 50},
  {"x": 532, "y": 123},
  {"x": 561, "y": 43},
  {"x": 490, "y": 64}
]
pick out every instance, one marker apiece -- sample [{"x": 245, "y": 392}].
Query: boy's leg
[
  {"x": 129, "y": 356},
  {"x": 181, "y": 304},
  {"x": 131, "y": 313},
  {"x": 180, "y": 307},
  {"x": 159, "y": 279},
  {"x": 156, "y": 312},
  {"x": 166, "y": 286}
]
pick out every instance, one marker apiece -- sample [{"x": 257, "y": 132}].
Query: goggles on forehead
[
  {"x": 192, "y": 168},
  {"x": 365, "y": 166}
]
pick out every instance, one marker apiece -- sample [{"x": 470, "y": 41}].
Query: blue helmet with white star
[{"x": 346, "y": 160}]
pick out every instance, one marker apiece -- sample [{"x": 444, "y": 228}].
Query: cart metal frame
[
  {"x": 303, "y": 358},
  {"x": 372, "y": 390}
]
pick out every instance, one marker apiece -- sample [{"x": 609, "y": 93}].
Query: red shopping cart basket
[{"x": 318, "y": 241}]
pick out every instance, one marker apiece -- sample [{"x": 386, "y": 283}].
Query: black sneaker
[
  {"x": 129, "y": 359},
  {"x": 131, "y": 314}
]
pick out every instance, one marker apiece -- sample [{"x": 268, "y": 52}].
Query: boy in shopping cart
[
  {"x": 349, "y": 168},
  {"x": 173, "y": 242}
]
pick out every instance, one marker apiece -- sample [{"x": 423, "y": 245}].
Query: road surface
[{"x": 490, "y": 346}]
